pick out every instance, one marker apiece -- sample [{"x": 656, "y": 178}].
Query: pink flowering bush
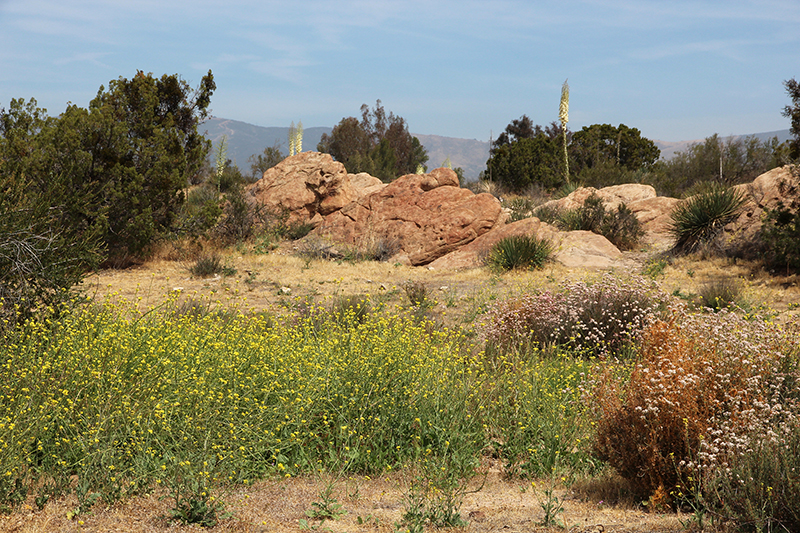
[
  {"x": 706, "y": 389},
  {"x": 591, "y": 318}
]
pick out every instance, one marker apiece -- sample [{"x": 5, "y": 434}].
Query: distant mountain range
[{"x": 245, "y": 140}]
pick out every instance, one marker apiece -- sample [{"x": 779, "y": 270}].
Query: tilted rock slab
[{"x": 426, "y": 216}]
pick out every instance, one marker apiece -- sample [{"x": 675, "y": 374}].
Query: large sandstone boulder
[
  {"x": 573, "y": 249},
  {"x": 473, "y": 254},
  {"x": 627, "y": 193},
  {"x": 779, "y": 185},
  {"x": 425, "y": 216},
  {"x": 307, "y": 186}
]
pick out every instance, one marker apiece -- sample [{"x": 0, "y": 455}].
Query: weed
[
  {"x": 722, "y": 293},
  {"x": 194, "y": 504},
  {"x": 328, "y": 508},
  {"x": 552, "y": 507},
  {"x": 417, "y": 293},
  {"x": 654, "y": 268}
]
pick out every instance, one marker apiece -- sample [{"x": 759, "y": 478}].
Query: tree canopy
[
  {"x": 128, "y": 156},
  {"x": 379, "y": 144},
  {"x": 793, "y": 112},
  {"x": 526, "y": 154}
]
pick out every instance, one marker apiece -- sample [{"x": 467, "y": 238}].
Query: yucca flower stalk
[
  {"x": 298, "y": 137},
  {"x": 292, "y": 139},
  {"x": 563, "y": 116},
  {"x": 222, "y": 155}
]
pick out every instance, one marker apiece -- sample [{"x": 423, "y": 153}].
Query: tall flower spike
[
  {"x": 563, "y": 109},
  {"x": 563, "y": 116},
  {"x": 298, "y": 144},
  {"x": 292, "y": 139}
]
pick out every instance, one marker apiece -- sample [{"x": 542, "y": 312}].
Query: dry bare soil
[{"x": 280, "y": 278}]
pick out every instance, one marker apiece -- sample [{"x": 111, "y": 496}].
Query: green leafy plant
[
  {"x": 519, "y": 252},
  {"x": 781, "y": 236},
  {"x": 194, "y": 504},
  {"x": 722, "y": 293},
  {"x": 327, "y": 508},
  {"x": 552, "y": 507},
  {"x": 210, "y": 265},
  {"x": 700, "y": 219}
]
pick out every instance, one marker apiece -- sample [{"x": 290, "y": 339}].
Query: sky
[{"x": 677, "y": 70}]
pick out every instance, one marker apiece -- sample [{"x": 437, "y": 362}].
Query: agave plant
[
  {"x": 520, "y": 252},
  {"x": 701, "y": 218}
]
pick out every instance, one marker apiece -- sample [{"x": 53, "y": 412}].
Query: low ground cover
[{"x": 198, "y": 402}]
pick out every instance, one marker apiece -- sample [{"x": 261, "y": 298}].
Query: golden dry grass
[{"x": 371, "y": 505}]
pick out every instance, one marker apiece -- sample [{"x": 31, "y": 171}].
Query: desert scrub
[
  {"x": 704, "y": 386},
  {"x": 603, "y": 317},
  {"x": 108, "y": 402},
  {"x": 700, "y": 219},
  {"x": 620, "y": 226},
  {"x": 520, "y": 252},
  {"x": 781, "y": 235}
]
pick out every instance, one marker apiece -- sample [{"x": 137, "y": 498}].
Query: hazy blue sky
[{"x": 675, "y": 69}]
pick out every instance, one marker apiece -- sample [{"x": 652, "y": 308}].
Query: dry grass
[{"x": 278, "y": 505}]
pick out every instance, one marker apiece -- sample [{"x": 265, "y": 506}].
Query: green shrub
[
  {"x": 201, "y": 211},
  {"x": 521, "y": 208},
  {"x": 781, "y": 235},
  {"x": 701, "y": 218},
  {"x": 520, "y": 252},
  {"x": 210, "y": 265},
  {"x": 721, "y": 293},
  {"x": 620, "y": 227}
]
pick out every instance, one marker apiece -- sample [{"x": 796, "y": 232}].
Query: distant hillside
[{"x": 246, "y": 139}]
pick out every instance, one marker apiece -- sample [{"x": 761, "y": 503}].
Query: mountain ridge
[{"x": 245, "y": 139}]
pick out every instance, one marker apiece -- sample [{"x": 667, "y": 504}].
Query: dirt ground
[
  {"x": 280, "y": 278},
  {"x": 370, "y": 505}
]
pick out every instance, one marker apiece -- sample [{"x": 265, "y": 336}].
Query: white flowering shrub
[
  {"x": 707, "y": 389},
  {"x": 603, "y": 317}
]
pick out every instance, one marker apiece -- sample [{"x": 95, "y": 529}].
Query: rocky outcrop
[
  {"x": 424, "y": 216},
  {"x": 306, "y": 186},
  {"x": 429, "y": 219},
  {"x": 779, "y": 185},
  {"x": 473, "y": 254}
]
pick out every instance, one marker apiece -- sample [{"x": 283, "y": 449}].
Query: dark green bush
[
  {"x": 210, "y": 265},
  {"x": 520, "y": 252},
  {"x": 700, "y": 219},
  {"x": 781, "y": 235},
  {"x": 621, "y": 227}
]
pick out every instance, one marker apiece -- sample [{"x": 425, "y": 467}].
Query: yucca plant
[
  {"x": 520, "y": 252},
  {"x": 700, "y": 219}
]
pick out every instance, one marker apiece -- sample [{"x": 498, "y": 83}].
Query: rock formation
[{"x": 425, "y": 216}]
